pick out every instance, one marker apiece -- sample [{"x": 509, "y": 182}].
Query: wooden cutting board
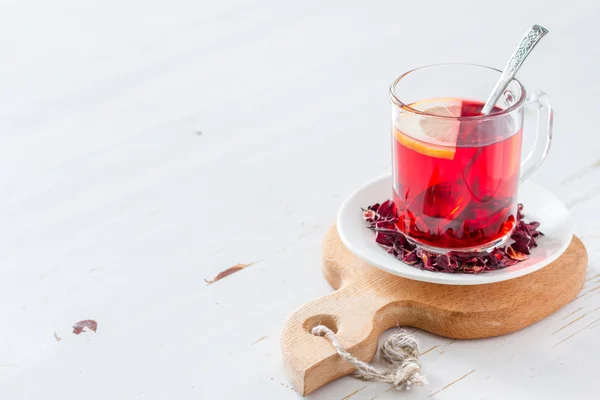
[{"x": 368, "y": 301}]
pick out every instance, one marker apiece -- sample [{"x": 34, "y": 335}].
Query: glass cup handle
[{"x": 543, "y": 136}]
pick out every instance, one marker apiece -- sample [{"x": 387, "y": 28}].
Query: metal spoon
[{"x": 532, "y": 36}]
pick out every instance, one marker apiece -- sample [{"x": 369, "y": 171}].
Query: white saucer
[{"x": 540, "y": 205}]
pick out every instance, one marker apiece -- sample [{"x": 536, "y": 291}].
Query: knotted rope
[{"x": 401, "y": 351}]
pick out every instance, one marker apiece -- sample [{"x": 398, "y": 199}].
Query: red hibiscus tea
[
  {"x": 455, "y": 174},
  {"x": 455, "y": 171}
]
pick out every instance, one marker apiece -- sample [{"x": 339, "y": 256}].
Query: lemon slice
[{"x": 435, "y": 137}]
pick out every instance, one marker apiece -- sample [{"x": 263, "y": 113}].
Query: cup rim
[{"x": 399, "y": 103}]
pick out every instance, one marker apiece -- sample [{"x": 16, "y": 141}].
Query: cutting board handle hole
[{"x": 329, "y": 321}]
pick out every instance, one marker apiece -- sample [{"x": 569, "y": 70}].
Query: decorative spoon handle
[{"x": 532, "y": 36}]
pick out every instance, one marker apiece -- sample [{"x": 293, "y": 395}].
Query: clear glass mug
[{"x": 456, "y": 172}]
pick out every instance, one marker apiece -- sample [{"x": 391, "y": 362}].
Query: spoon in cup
[{"x": 527, "y": 43}]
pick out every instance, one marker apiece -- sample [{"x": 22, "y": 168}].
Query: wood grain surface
[{"x": 369, "y": 301}]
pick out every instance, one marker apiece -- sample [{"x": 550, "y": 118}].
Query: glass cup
[{"x": 456, "y": 172}]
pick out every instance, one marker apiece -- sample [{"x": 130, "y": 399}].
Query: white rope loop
[{"x": 401, "y": 351}]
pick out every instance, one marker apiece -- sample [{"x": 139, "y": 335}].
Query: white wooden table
[{"x": 147, "y": 146}]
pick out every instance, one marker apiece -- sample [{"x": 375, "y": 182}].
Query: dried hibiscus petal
[
  {"x": 370, "y": 215},
  {"x": 384, "y": 239},
  {"x": 520, "y": 215},
  {"x": 80, "y": 326},
  {"x": 473, "y": 269},
  {"x": 492, "y": 261},
  {"x": 533, "y": 225},
  {"x": 427, "y": 258},
  {"x": 388, "y": 210},
  {"x": 386, "y": 224},
  {"x": 520, "y": 236},
  {"x": 515, "y": 254},
  {"x": 404, "y": 243},
  {"x": 411, "y": 258},
  {"x": 519, "y": 247},
  {"x": 447, "y": 263},
  {"x": 383, "y": 220}
]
